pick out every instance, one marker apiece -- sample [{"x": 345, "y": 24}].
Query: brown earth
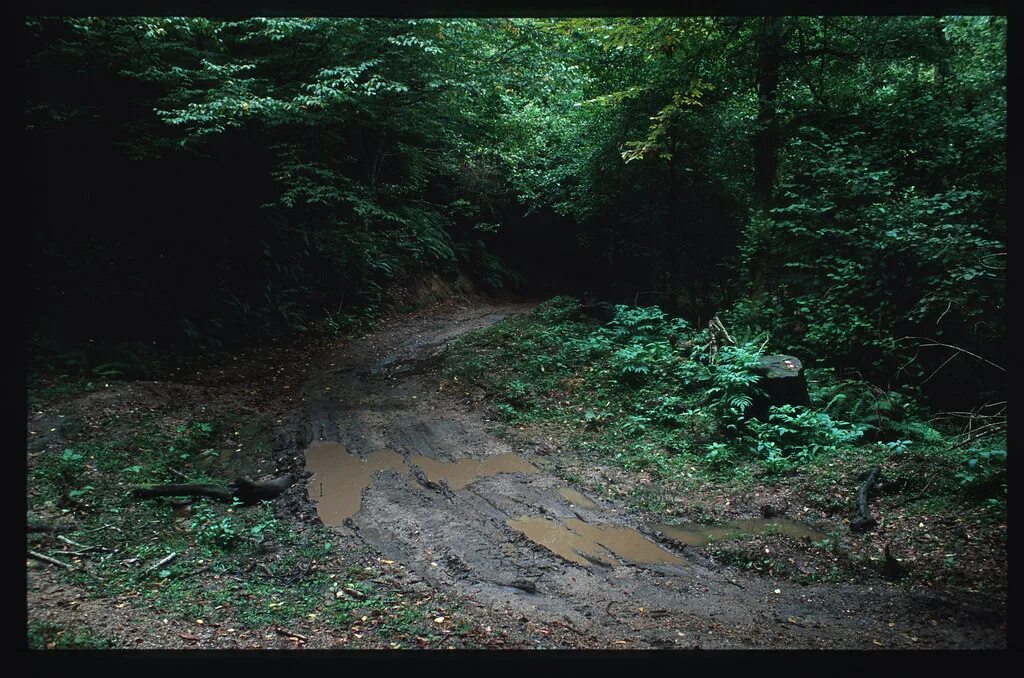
[{"x": 384, "y": 391}]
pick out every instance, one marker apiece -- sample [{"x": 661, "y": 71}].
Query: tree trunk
[{"x": 766, "y": 139}]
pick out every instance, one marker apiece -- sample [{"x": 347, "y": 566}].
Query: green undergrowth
[
  {"x": 48, "y": 636},
  {"x": 651, "y": 394},
  {"x": 234, "y": 565}
]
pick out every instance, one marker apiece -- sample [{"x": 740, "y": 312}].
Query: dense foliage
[
  {"x": 836, "y": 182},
  {"x": 657, "y": 395}
]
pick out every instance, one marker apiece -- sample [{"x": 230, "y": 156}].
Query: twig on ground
[
  {"x": 162, "y": 562},
  {"x": 102, "y": 527},
  {"x": 82, "y": 546},
  {"x": 569, "y": 626},
  {"x": 48, "y": 559},
  {"x": 865, "y": 521}
]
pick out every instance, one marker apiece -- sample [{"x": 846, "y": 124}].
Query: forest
[{"x": 693, "y": 328}]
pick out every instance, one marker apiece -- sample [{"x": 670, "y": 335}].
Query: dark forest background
[{"x": 838, "y": 183}]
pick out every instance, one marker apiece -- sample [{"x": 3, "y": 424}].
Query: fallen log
[
  {"x": 243, "y": 489},
  {"x": 865, "y": 521}
]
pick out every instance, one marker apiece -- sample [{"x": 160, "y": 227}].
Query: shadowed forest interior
[{"x": 680, "y": 201}]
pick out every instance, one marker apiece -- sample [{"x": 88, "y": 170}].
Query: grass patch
[
  {"x": 47, "y": 636},
  {"x": 245, "y": 566}
]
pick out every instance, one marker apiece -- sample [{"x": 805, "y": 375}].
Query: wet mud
[
  {"x": 339, "y": 478},
  {"x": 583, "y": 543},
  {"x": 576, "y": 498},
  {"x": 699, "y": 535},
  {"x": 454, "y": 503}
]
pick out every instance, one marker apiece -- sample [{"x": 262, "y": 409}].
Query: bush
[
  {"x": 793, "y": 435},
  {"x": 985, "y": 469}
]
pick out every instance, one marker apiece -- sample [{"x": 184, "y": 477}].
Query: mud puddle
[
  {"x": 576, "y": 498},
  {"x": 700, "y": 535},
  {"x": 340, "y": 477},
  {"x": 460, "y": 473},
  {"x": 584, "y": 543}
]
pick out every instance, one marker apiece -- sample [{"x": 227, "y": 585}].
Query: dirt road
[{"x": 385, "y": 392}]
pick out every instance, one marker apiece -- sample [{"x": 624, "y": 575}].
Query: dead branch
[
  {"x": 243, "y": 489},
  {"x": 716, "y": 333},
  {"x": 865, "y": 521},
  {"x": 956, "y": 348},
  {"x": 161, "y": 562},
  {"x": 48, "y": 559},
  {"x": 981, "y": 432},
  {"x": 75, "y": 543}
]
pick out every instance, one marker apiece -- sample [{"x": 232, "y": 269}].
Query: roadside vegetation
[
  {"x": 644, "y": 393},
  {"x": 714, "y": 188},
  {"x": 243, "y": 570}
]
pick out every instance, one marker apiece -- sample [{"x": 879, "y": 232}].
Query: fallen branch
[
  {"x": 981, "y": 432},
  {"x": 217, "y": 492},
  {"x": 567, "y": 625},
  {"x": 78, "y": 544},
  {"x": 162, "y": 562},
  {"x": 956, "y": 348},
  {"x": 243, "y": 489},
  {"x": 108, "y": 526},
  {"x": 79, "y": 554},
  {"x": 866, "y": 521},
  {"x": 717, "y": 324},
  {"x": 48, "y": 559}
]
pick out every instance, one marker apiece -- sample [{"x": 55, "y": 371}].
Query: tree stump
[{"x": 782, "y": 382}]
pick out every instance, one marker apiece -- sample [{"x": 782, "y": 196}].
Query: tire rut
[{"x": 460, "y": 541}]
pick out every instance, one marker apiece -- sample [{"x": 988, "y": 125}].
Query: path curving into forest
[{"x": 385, "y": 392}]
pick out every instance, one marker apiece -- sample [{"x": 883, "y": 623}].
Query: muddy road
[{"x": 491, "y": 526}]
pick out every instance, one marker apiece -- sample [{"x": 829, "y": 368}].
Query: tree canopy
[{"x": 838, "y": 182}]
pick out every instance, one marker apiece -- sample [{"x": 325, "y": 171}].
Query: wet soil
[
  {"x": 415, "y": 479},
  {"x": 476, "y": 518},
  {"x": 699, "y": 535}
]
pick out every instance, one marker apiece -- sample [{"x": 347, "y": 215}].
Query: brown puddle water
[
  {"x": 340, "y": 477},
  {"x": 699, "y": 535},
  {"x": 460, "y": 473},
  {"x": 581, "y": 542},
  {"x": 577, "y": 498}
]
